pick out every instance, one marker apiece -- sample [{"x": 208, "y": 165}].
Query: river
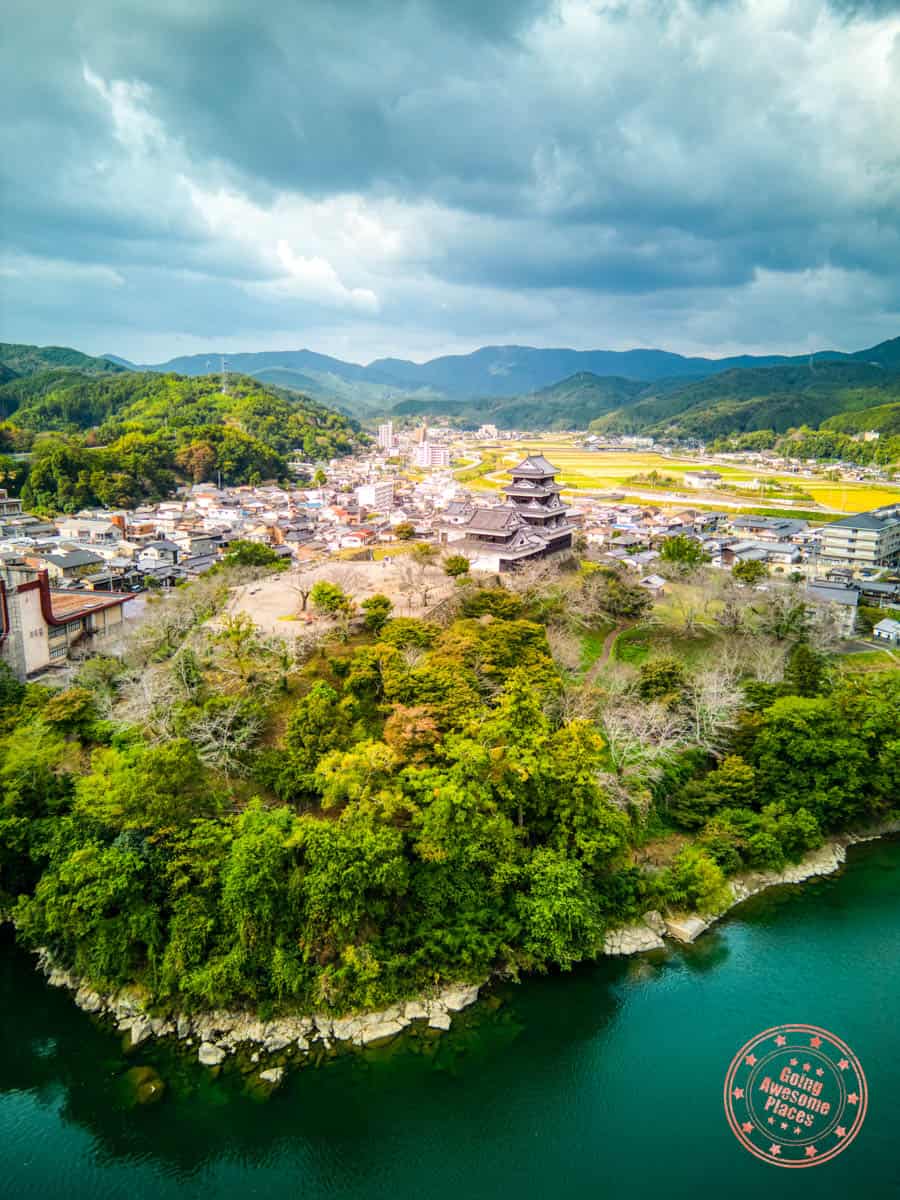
[{"x": 604, "y": 1082}]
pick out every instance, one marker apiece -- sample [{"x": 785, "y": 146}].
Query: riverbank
[
  {"x": 267, "y": 1048},
  {"x": 651, "y": 931}
]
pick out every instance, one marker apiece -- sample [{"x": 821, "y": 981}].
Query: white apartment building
[
  {"x": 869, "y": 539},
  {"x": 386, "y": 436},
  {"x": 377, "y": 496},
  {"x": 431, "y": 454}
]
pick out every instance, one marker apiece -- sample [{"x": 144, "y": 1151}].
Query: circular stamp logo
[{"x": 795, "y": 1096}]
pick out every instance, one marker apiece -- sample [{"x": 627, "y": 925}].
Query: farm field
[{"x": 584, "y": 470}]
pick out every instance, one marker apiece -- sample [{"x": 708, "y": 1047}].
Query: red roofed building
[{"x": 40, "y": 625}]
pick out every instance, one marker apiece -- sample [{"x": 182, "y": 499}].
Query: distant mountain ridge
[{"x": 506, "y": 371}]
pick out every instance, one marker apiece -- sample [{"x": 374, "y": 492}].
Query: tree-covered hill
[
  {"x": 883, "y": 419},
  {"x": 121, "y": 438},
  {"x": 777, "y": 398},
  {"x": 26, "y": 360}
]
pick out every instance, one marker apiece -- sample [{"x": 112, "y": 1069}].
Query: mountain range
[
  {"x": 490, "y": 372},
  {"x": 522, "y": 387}
]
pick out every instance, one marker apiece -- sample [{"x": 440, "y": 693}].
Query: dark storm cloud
[{"x": 222, "y": 169}]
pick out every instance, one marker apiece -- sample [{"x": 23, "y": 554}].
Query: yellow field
[{"x": 581, "y": 470}]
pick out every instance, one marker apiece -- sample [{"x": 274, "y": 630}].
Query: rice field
[{"x": 584, "y": 470}]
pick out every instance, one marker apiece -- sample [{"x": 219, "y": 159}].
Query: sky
[{"x": 419, "y": 177}]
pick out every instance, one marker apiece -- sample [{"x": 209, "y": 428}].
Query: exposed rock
[
  {"x": 183, "y": 1027},
  {"x": 160, "y": 1027},
  {"x": 139, "y": 1030},
  {"x": 457, "y": 998},
  {"x": 273, "y": 1044},
  {"x": 439, "y": 1020},
  {"x": 381, "y": 1031},
  {"x": 824, "y": 861},
  {"x": 88, "y": 1000},
  {"x": 274, "y": 1075},
  {"x": 632, "y": 939},
  {"x": 346, "y": 1029},
  {"x": 415, "y": 1010},
  {"x": 322, "y": 1024},
  {"x": 654, "y": 920},
  {"x": 210, "y": 1055},
  {"x": 59, "y": 978},
  {"x": 687, "y": 928}
]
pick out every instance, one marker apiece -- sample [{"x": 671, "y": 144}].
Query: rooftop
[
  {"x": 535, "y": 466},
  {"x": 877, "y": 519}
]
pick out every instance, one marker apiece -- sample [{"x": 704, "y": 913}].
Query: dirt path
[{"x": 603, "y": 657}]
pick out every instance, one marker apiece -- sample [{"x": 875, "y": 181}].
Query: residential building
[
  {"x": 40, "y": 626},
  {"x": 702, "y": 479},
  {"x": 10, "y": 506},
  {"x": 843, "y": 598},
  {"x": 887, "y": 630},
  {"x": 430, "y": 454},
  {"x": 769, "y": 529},
  {"x": 386, "y": 436},
  {"x": 66, "y": 563},
  {"x": 377, "y": 496},
  {"x": 869, "y": 539}
]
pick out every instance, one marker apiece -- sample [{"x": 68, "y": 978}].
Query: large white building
[
  {"x": 377, "y": 496},
  {"x": 386, "y": 436},
  {"x": 431, "y": 454},
  {"x": 869, "y": 539}
]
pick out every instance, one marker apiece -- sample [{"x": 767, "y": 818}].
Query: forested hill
[
  {"x": 121, "y": 438},
  {"x": 26, "y": 360},
  {"x": 776, "y": 398}
]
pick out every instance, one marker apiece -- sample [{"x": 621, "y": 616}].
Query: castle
[{"x": 530, "y": 524}]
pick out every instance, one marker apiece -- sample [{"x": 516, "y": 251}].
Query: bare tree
[
  {"x": 223, "y": 735},
  {"x": 302, "y": 582},
  {"x": 642, "y": 739},
  {"x": 711, "y": 706},
  {"x": 565, "y": 647}
]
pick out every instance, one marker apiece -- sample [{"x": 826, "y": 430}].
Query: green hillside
[
  {"x": 570, "y": 404},
  {"x": 26, "y": 360},
  {"x": 120, "y": 438},
  {"x": 883, "y": 418},
  {"x": 777, "y": 398}
]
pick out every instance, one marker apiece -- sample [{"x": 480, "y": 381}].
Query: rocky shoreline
[
  {"x": 265, "y": 1048},
  {"x": 220, "y": 1033},
  {"x": 649, "y": 933}
]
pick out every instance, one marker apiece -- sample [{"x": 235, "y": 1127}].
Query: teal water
[{"x": 601, "y": 1083}]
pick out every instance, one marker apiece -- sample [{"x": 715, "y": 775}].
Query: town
[{"x": 75, "y": 584}]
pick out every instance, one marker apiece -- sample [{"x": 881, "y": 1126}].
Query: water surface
[{"x": 602, "y": 1083}]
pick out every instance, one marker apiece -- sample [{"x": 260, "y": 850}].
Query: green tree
[
  {"x": 750, "y": 571},
  {"x": 455, "y": 565},
  {"x": 328, "y": 598},
  {"x": 683, "y": 551},
  {"x": 663, "y": 678},
  {"x": 377, "y": 609},
  {"x": 404, "y": 531}
]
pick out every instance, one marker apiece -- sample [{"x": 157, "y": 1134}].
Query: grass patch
[
  {"x": 592, "y": 645},
  {"x": 870, "y": 660},
  {"x": 635, "y": 646}
]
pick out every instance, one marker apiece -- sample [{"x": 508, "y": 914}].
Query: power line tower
[{"x": 224, "y": 375}]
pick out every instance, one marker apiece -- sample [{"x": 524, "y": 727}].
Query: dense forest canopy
[
  {"x": 123, "y": 438},
  {"x": 227, "y": 822}
]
